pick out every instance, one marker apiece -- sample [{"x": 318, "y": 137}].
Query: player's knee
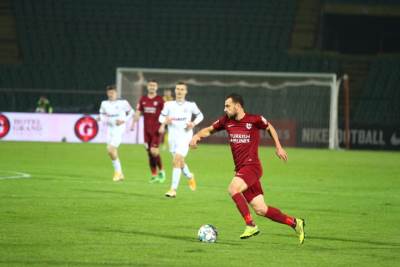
[
  {"x": 233, "y": 190},
  {"x": 154, "y": 152},
  {"x": 177, "y": 163},
  {"x": 260, "y": 211},
  {"x": 112, "y": 152}
]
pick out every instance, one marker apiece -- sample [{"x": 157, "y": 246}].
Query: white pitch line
[{"x": 15, "y": 175}]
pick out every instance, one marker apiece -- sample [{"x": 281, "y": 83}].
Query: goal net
[{"x": 303, "y": 107}]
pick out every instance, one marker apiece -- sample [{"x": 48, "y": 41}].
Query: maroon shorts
[
  {"x": 251, "y": 175},
  {"x": 152, "y": 139}
]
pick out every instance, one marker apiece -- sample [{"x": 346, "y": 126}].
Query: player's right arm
[
  {"x": 135, "y": 119},
  {"x": 163, "y": 118},
  {"x": 203, "y": 133},
  {"x": 206, "y": 132},
  {"x": 138, "y": 113},
  {"x": 102, "y": 113}
]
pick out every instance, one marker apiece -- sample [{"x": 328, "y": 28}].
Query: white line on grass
[{"x": 5, "y": 175}]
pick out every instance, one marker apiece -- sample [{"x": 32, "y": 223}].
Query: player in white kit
[
  {"x": 178, "y": 116},
  {"x": 115, "y": 113}
]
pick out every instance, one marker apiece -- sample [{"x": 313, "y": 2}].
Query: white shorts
[
  {"x": 114, "y": 136},
  {"x": 179, "y": 144}
]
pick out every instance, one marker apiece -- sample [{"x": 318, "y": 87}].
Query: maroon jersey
[
  {"x": 151, "y": 109},
  {"x": 244, "y": 137}
]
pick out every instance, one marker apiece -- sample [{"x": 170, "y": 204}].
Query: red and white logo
[
  {"x": 248, "y": 126},
  {"x": 86, "y": 128},
  {"x": 155, "y": 103},
  {"x": 264, "y": 120},
  {"x": 4, "y": 125}
]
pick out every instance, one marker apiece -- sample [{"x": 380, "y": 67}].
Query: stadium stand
[
  {"x": 379, "y": 102},
  {"x": 73, "y": 45},
  {"x": 59, "y": 36}
]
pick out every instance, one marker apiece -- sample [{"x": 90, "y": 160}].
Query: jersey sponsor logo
[
  {"x": 239, "y": 138},
  {"x": 150, "y": 110},
  {"x": 248, "y": 126},
  {"x": 86, "y": 128},
  {"x": 179, "y": 119},
  {"x": 394, "y": 140},
  {"x": 4, "y": 125}
]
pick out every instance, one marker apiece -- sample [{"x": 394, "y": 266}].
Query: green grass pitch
[{"x": 70, "y": 213}]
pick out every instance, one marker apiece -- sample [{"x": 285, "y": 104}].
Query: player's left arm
[
  {"x": 262, "y": 123},
  {"x": 198, "y": 117},
  {"x": 280, "y": 152},
  {"x": 129, "y": 111}
]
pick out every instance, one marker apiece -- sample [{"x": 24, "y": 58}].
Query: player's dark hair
[
  {"x": 111, "y": 87},
  {"x": 181, "y": 83},
  {"x": 152, "y": 81},
  {"x": 236, "y": 98}
]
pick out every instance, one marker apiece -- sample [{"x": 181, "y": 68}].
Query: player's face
[
  {"x": 112, "y": 95},
  {"x": 152, "y": 87},
  {"x": 180, "y": 91},
  {"x": 230, "y": 108}
]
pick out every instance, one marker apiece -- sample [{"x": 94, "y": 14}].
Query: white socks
[
  {"x": 186, "y": 171},
  {"x": 176, "y": 176},
  {"x": 117, "y": 165}
]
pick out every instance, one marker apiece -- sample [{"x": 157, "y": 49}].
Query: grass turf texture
[{"x": 70, "y": 213}]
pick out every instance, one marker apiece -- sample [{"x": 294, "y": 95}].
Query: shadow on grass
[
  {"x": 309, "y": 238},
  {"x": 189, "y": 239},
  {"x": 350, "y": 240},
  {"x": 130, "y": 194},
  {"x": 69, "y": 263},
  {"x": 334, "y": 211}
]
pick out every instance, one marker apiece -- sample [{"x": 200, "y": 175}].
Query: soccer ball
[{"x": 207, "y": 233}]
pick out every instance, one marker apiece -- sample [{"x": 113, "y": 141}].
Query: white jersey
[
  {"x": 111, "y": 111},
  {"x": 181, "y": 114}
]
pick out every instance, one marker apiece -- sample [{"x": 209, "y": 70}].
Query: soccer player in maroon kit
[
  {"x": 150, "y": 106},
  {"x": 245, "y": 188}
]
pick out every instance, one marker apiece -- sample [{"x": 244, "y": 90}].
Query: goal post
[{"x": 303, "y": 106}]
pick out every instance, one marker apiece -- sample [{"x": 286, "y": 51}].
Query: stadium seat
[{"x": 69, "y": 39}]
